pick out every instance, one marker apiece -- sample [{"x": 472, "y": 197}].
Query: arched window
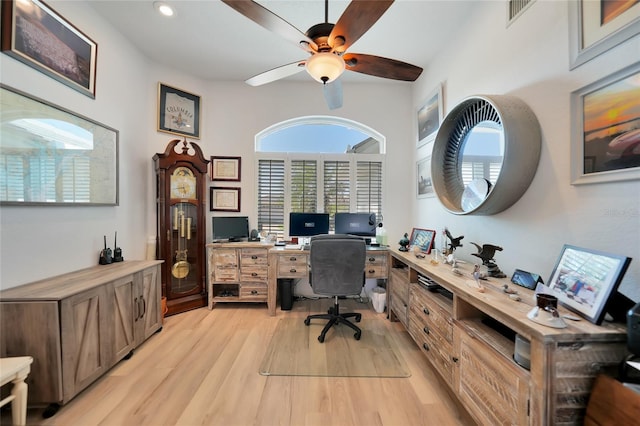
[{"x": 317, "y": 164}]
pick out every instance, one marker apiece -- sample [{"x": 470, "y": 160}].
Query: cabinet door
[
  {"x": 225, "y": 265},
  {"x": 399, "y": 296},
  {"x": 149, "y": 318},
  {"x": 493, "y": 388},
  {"x": 87, "y": 339},
  {"x": 124, "y": 308}
]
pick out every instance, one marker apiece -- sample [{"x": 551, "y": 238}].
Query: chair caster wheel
[
  {"x": 321, "y": 339},
  {"x": 357, "y": 336},
  {"x": 307, "y": 321}
]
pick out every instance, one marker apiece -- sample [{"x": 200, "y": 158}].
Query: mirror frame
[
  {"x": 104, "y": 188},
  {"x": 522, "y": 145}
]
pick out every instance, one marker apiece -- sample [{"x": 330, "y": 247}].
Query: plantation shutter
[
  {"x": 271, "y": 188},
  {"x": 304, "y": 186},
  {"x": 369, "y": 187},
  {"x": 11, "y": 178},
  {"x": 337, "y": 193},
  {"x": 76, "y": 178}
]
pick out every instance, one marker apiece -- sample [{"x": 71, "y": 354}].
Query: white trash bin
[{"x": 379, "y": 299}]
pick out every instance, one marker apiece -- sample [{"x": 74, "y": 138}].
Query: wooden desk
[
  {"x": 294, "y": 263},
  {"x": 15, "y": 370},
  {"x": 468, "y": 336}
]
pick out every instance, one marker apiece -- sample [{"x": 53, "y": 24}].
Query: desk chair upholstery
[{"x": 337, "y": 269}]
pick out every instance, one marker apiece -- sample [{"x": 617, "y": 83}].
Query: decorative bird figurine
[
  {"x": 486, "y": 253},
  {"x": 404, "y": 242},
  {"x": 455, "y": 242}
]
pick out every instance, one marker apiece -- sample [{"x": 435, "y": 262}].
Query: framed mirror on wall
[{"x": 53, "y": 156}]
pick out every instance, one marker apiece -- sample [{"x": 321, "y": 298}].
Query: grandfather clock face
[{"x": 183, "y": 184}]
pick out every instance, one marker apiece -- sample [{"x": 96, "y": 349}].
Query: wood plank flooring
[{"x": 202, "y": 369}]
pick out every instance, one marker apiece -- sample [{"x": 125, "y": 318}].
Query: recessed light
[{"x": 163, "y": 8}]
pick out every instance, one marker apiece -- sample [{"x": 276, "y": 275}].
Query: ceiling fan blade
[
  {"x": 276, "y": 73},
  {"x": 381, "y": 67},
  {"x": 333, "y": 94},
  {"x": 269, "y": 20},
  {"x": 356, "y": 20}
]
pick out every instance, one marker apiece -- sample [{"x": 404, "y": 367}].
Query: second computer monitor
[
  {"x": 361, "y": 224},
  {"x": 308, "y": 224}
]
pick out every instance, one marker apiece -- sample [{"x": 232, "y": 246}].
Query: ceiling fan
[{"x": 327, "y": 44}]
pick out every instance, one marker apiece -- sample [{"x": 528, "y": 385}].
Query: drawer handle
[
  {"x": 426, "y": 330},
  {"x": 425, "y": 346},
  {"x": 455, "y": 359},
  {"x": 371, "y": 271},
  {"x": 254, "y": 291},
  {"x": 293, "y": 258},
  {"x": 372, "y": 259},
  {"x": 293, "y": 270},
  {"x": 426, "y": 311},
  {"x": 254, "y": 274},
  {"x": 254, "y": 257}
]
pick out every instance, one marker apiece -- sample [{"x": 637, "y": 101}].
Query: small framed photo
[
  {"x": 605, "y": 138},
  {"x": 223, "y": 199},
  {"x": 424, "y": 184},
  {"x": 33, "y": 33},
  {"x": 226, "y": 168},
  {"x": 422, "y": 238},
  {"x": 178, "y": 112},
  {"x": 598, "y": 26},
  {"x": 430, "y": 116},
  {"x": 583, "y": 280}
]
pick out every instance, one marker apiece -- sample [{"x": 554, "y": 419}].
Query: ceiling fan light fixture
[{"x": 325, "y": 67}]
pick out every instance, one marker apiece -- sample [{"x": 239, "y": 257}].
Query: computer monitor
[
  {"x": 360, "y": 224},
  {"x": 308, "y": 224},
  {"x": 230, "y": 228}
]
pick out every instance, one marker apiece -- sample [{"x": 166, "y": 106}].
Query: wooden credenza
[
  {"x": 78, "y": 325},
  {"x": 468, "y": 337}
]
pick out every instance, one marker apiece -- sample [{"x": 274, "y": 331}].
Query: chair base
[{"x": 335, "y": 317}]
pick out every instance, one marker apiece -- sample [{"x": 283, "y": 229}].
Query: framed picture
[
  {"x": 178, "y": 112},
  {"x": 224, "y": 199},
  {"x": 226, "y": 168},
  {"x": 424, "y": 184},
  {"x": 599, "y": 25},
  {"x": 36, "y": 35},
  {"x": 422, "y": 238},
  {"x": 430, "y": 116},
  {"x": 605, "y": 141},
  {"x": 583, "y": 280},
  {"x": 53, "y": 156}
]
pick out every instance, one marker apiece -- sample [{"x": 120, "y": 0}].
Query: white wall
[
  {"x": 38, "y": 242},
  {"x": 530, "y": 59}
]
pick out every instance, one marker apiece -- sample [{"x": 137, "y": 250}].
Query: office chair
[{"x": 337, "y": 269}]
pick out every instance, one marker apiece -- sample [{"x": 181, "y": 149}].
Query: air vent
[{"x": 517, "y": 8}]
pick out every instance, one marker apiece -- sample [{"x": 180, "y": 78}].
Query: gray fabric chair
[{"x": 337, "y": 269}]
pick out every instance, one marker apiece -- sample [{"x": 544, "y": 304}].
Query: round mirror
[{"x": 485, "y": 154}]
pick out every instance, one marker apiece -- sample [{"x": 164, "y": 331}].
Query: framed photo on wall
[
  {"x": 599, "y": 25},
  {"x": 430, "y": 116},
  {"x": 224, "y": 199},
  {"x": 583, "y": 280},
  {"x": 225, "y": 168},
  {"x": 34, "y": 34},
  {"x": 605, "y": 141},
  {"x": 424, "y": 185},
  {"x": 178, "y": 112}
]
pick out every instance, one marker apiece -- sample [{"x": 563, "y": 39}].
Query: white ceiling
[{"x": 208, "y": 39}]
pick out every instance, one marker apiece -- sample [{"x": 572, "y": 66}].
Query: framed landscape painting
[{"x": 33, "y": 33}]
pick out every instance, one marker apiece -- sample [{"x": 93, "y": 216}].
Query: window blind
[
  {"x": 304, "y": 186},
  {"x": 337, "y": 189},
  {"x": 271, "y": 187},
  {"x": 369, "y": 187}
]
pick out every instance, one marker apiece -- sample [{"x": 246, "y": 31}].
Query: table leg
[{"x": 19, "y": 404}]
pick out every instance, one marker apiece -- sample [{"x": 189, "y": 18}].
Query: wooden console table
[
  {"x": 16, "y": 370},
  {"x": 78, "y": 325},
  {"x": 468, "y": 336}
]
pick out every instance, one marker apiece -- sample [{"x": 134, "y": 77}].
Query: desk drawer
[
  {"x": 293, "y": 266},
  {"x": 253, "y": 292},
  {"x": 375, "y": 271},
  {"x": 253, "y": 257}
]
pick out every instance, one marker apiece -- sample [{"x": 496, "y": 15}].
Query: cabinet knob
[
  {"x": 426, "y": 330},
  {"x": 425, "y": 346},
  {"x": 426, "y": 311},
  {"x": 455, "y": 359}
]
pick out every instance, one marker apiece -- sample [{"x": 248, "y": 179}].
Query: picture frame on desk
[
  {"x": 584, "y": 280},
  {"x": 422, "y": 238}
]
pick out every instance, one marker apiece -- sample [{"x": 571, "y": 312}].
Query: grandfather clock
[{"x": 181, "y": 200}]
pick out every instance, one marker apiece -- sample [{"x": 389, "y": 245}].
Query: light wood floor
[{"x": 202, "y": 369}]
